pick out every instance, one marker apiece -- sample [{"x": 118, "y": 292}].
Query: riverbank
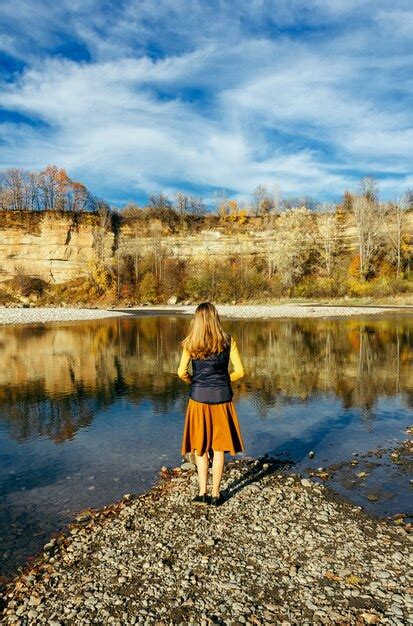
[
  {"x": 40, "y": 315},
  {"x": 282, "y": 549}
]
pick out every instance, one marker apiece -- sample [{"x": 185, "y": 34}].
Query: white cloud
[{"x": 301, "y": 112}]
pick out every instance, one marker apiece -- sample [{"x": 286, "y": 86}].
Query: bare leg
[
  {"x": 202, "y": 463},
  {"x": 217, "y": 469}
]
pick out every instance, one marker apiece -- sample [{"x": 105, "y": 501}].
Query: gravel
[
  {"x": 39, "y": 315},
  {"x": 282, "y": 549},
  {"x": 282, "y": 310},
  {"x": 12, "y": 315}
]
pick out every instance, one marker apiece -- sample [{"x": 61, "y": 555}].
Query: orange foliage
[
  {"x": 354, "y": 267},
  {"x": 354, "y": 338},
  {"x": 385, "y": 269},
  {"x": 231, "y": 212}
]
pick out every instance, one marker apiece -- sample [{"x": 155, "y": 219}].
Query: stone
[
  {"x": 371, "y": 618},
  {"x": 214, "y": 565},
  {"x": 188, "y": 466}
]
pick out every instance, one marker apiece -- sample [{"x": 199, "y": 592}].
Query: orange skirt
[{"x": 213, "y": 426}]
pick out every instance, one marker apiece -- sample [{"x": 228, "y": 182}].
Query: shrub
[
  {"x": 28, "y": 285},
  {"x": 148, "y": 287},
  {"x": 100, "y": 276},
  {"x": 377, "y": 287}
]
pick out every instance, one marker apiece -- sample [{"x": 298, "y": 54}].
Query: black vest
[{"x": 211, "y": 382}]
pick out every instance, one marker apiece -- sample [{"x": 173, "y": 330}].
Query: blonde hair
[{"x": 206, "y": 335}]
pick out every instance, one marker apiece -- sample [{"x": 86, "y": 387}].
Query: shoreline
[
  {"x": 282, "y": 548},
  {"x": 43, "y": 315}
]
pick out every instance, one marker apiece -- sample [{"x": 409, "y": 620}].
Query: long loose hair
[{"x": 206, "y": 335}]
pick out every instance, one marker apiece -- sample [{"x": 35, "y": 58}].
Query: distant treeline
[{"x": 51, "y": 189}]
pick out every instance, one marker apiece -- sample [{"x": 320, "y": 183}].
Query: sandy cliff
[{"x": 57, "y": 249}]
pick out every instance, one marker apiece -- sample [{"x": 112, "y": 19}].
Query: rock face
[
  {"x": 55, "y": 248},
  {"x": 58, "y": 248}
]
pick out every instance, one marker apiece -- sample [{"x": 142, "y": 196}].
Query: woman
[{"x": 211, "y": 421}]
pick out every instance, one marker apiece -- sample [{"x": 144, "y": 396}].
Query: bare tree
[
  {"x": 277, "y": 198},
  {"x": 369, "y": 189},
  {"x": 263, "y": 203},
  {"x": 181, "y": 204},
  {"x": 197, "y": 206},
  {"x": 328, "y": 233},
  {"x": 14, "y": 183},
  {"x": 188, "y": 205},
  {"x": 393, "y": 217},
  {"x": 368, "y": 227},
  {"x": 220, "y": 198}
]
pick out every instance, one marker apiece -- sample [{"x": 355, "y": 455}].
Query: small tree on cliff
[
  {"x": 328, "y": 236},
  {"x": 367, "y": 215},
  {"x": 292, "y": 246},
  {"x": 394, "y": 219},
  {"x": 263, "y": 202}
]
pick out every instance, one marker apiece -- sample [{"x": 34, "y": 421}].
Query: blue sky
[{"x": 140, "y": 96}]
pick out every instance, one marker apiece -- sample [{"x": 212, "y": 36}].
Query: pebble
[
  {"x": 279, "y": 551},
  {"x": 53, "y": 314}
]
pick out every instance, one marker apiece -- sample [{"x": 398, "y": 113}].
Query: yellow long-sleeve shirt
[{"x": 234, "y": 356}]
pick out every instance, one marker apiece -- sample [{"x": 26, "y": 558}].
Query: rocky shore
[
  {"x": 33, "y": 315},
  {"x": 282, "y": 549}
]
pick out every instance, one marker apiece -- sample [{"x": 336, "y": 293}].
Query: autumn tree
[
  {"x": 290, "y": 251},
  {"x": 328, "y": 237},
  {"x": 78, "y": 198},
  {"x": 394, "y": 219},
  {"x": 366, "y": 213},
  {"x": 231, "y": 212},
  {"x": 50, "y": 189}
]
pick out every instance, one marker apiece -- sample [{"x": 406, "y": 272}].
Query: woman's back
[{"x": 210, "y": 378}]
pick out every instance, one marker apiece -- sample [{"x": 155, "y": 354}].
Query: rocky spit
[
  {"x": 281, "y": 549},
  {"x": 33, "y": 315},
  {"x": 39, "y": 315},
  {"x": 269, "y": 311}
]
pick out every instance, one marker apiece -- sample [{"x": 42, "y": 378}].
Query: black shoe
[
  {"x": 204, "y": 499},
  {"x": 217, "y": 500}
]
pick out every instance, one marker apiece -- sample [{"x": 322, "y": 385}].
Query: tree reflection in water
[
  {"x": 56, "y": 378},
  {"x": 91, "y": 410}
]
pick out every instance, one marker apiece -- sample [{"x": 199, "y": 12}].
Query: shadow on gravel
[{"x": 255, "y": 469}]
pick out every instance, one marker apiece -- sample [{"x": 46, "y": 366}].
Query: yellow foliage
[
  {"x": 99, "y": 275},
  {"x": 354, "y": 268},
  {"x": 147, "y": 287},
  {"x": 231, "y": 212}
]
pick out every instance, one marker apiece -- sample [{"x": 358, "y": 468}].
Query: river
[{"x": 91, "y": 410}]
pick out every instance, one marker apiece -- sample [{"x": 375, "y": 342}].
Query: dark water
[{"x": 90, "y": 411}]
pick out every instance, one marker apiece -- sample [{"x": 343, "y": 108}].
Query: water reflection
[
  {"x": 89, "y": 411},
  {"x": 55, "y": 379}
]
